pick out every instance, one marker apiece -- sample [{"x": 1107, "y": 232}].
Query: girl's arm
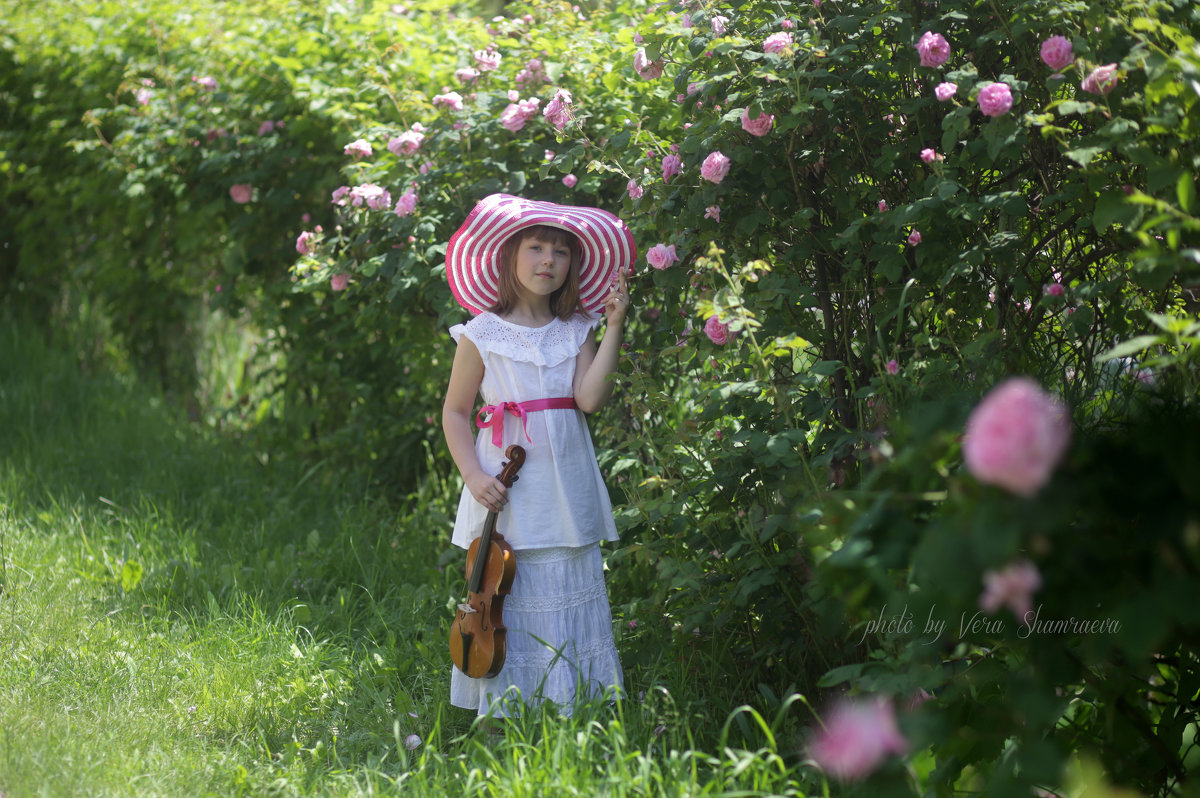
[
  {"x": 458, "y": 424},
  {"x": 594, "y": 366}
]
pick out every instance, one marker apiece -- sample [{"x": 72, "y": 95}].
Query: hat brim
[{"x": 473, "y": 254}]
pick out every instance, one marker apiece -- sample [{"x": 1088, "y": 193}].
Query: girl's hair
[{"x": 564, "y": 302}]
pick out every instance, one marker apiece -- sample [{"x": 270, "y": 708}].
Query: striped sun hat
[{"x": 473, "y": 255}]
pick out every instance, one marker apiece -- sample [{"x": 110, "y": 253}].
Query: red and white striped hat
[{"x": 473, "y": 255}]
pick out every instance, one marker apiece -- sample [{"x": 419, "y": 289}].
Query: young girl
[{"x": 534, "y": 274}]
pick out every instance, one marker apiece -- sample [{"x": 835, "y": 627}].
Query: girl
[{"x": 534, "y": 274}]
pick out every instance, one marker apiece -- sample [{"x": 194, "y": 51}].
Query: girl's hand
[
  {"x": 487, "y": 490},
  {"x": 616, "y": 304}
]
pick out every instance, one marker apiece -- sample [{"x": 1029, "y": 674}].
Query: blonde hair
[{"x": 565, "y": 301}]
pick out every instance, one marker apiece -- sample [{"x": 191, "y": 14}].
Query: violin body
[{"x": 477, "y": 636}]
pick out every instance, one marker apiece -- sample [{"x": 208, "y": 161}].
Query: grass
[{"x": 181, "y": 617}]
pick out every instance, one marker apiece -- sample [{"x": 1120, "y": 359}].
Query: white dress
[{"x": 559, "y": 640}]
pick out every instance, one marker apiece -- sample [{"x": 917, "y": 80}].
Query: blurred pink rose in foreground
[
  {"x": 717, "y": 332},
  {"x": 1012, "y": 586},
  {"x": 715, "y": 167},
  {"x": 934, "y": 49},
  {"x": 1101, "y": 80},
  {"x": 1057, "y": 53},
  {"x": 207, "y": 83},
  {"x": 338, "y": 282},
  {"x": 995, "y": 99},
  {"x": 660, "y": 256},
  {"x": 759, "y": 125},
  {"x": 857, "y": 736},
  {"x": 241, "y": 193},
  {"x": 1015, "y": 436},
  {"x": 944, "y": 91}
]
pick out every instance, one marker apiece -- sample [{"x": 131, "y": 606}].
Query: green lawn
[{"x": 178, "y": 617}]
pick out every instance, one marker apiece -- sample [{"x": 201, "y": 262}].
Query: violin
[{"x": 477, "y": 636}]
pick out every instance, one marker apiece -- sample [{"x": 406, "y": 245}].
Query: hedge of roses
[{"x": 907, "y": 412}]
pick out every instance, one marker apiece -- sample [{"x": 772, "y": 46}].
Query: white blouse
[{"x": 559, "y": 498}]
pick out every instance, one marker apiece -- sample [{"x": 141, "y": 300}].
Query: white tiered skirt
[{"x": 559, "y": 640}]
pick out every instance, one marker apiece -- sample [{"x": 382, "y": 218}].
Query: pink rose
[
  {"x": 934, "y": 49},
  {"x": 777, "y": 42},
  {"x": 406, "y": 203},
  {"x": 929, "y": 155},
  {"x": 759, "y": 125},
  {"x": 515, "y": 115},
  {"x": 339, "y": 282},
  {"x": 1102, "y": 80},
  {"x": 787, "y": 24},
  {"x": 715, "y": 167},
  {"x": 882, "y": 206},
  {"x": 856, "y": 737},
  {"x": 713, "y": 212},
  {"x": 671, "y": 165},
  {"x": 144, "y": 96},
  {"x": 1054, "y": 289},
  {"x": 719, "y": 25},
  {"x": 451, "y": 99},
  {"x": 635, "y": 191},
  {"x": 661, "y": 256},
  {"x": 1057, "y": 53},
  {"x": 648, "y": 70},
  {"x": 893, "y": 367},
  {"x": 1012, "y": 586},
  {"x": 944, "y": 91},
  {"x": 558, "y": 111},
  {"x": 339, "y": 195},
  {"x": 241, "y": 193},
  {"x": 207, "y": 83},
  {"x": 304, "y": 242},
  {"x": 266, "y": 128},
  {"x": 407, "y": 143},
  {"x": 466, "y": 75},
  {"x": 1015, "y": 437},
  {"x": 914, "y": 238},
  {"x": 376, "y": 197},
  {"x": 995, "y": 99},
  {"x": 358, "y": 149},
  {"x": 487, "y": 60},
  {"x": 717, "y": 332},
  {"x": 570, "y": 180}
]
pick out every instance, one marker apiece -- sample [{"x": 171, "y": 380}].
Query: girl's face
[{"x": 542, "y": 266}]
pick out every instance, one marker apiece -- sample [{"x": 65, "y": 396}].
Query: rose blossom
[
  {"x": 558, "y": 110},
  {"x": 719, "y": 24},
  {"x": 1057, "y": 53},
  {"x": 1015, "y": 436},
  {"x": 929, "y": 155},
  {"x": 408, "y": 142},
  {"x": 882, "y": 206},
  {"x": 241, "y": 193},
  {"x": 570, "y": 180},
  {"x": 857, "y": 736},
  {"x": 358, "y": 148},
  {"x": 635, "y": 191},
  {"x": 1101, "y": 80},
  {"x": 995, "y": 99},
  {"x": 488, "y": 60},
  {"x": 934, "y": 49},
  {"x": 207, "y": 83},
  {"x": 339, "y": 195},
  {"x": 944, "y": 91},
  {"x": 514, "y": 117},
  {"x": 648, "y": 70},
  {"x": 1054, "y": 289},
  {"x": 406, "y": 203},
  {"x": 376, "y": 197},
  {"x": 466, "y": 74},
  {"x": 304, "y": 242},
  {"x": 715, "y": 167},
  {"x": 759, "y": 125},
  {"x": 777, "y": 42},
  {"x": 339, "y": 282},
  {"x": 144, "y": 96},
  {"x": 661, "y": 256},
  {"x": 893, "y": 367},
  {"x": 717, "y": 332},
  {"x": 713, "y": 212},
  {"x": 914, "y": 238},
  {"x": 1012, "y": 586},
  {"x": 671, "y": 165},
  {"x": 451, "y": 99}
]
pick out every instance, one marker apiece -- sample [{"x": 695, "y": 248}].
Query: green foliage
[{"x": 783, "y": 489}]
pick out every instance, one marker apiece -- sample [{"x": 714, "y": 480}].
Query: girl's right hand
[{"x": 487, "y": 490}]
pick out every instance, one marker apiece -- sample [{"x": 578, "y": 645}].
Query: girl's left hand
[{"x": 616, "y": 304}]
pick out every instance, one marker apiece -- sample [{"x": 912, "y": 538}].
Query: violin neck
[{"x": 481, "y": 553}]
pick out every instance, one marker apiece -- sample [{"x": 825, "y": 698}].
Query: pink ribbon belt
[{"x": 496, "y": 413}]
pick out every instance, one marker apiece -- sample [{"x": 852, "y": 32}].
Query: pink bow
[{"x": 495, "y": 415}]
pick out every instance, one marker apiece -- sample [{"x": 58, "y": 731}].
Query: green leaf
[
  {"x": 1084, "y": 155},
  {"x": 1130, "y": 347},
  {"x": 1112, "y": 207},
  {"x": 1186, "y": 191},
  {"x": 131, "y": 575}
]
